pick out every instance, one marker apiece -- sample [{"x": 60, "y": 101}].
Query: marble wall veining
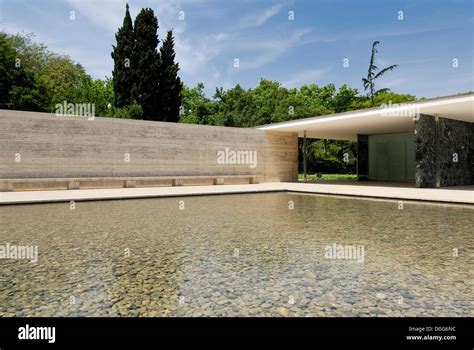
[{"x": 443, "y": 152}]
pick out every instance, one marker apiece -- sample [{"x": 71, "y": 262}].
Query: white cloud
[
  {"x": 259, "y": 18},
  {"x": 106, "y": 14},
  {"x": 270, "y": 50},
  {"x": 193, "y": 56}
]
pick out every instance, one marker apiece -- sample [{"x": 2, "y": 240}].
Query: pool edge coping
[{"x": 278, "y": 187}]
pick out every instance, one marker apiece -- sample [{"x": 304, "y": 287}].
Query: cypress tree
[
  {"x": 123, "y": 73},
  {"x": 147, "y": 64},
  {"x": 170, "y": 84}
]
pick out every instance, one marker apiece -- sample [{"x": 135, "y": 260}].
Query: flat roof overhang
[{"x": 386, "y": 119}]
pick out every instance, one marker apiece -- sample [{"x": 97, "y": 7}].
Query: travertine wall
[{"x": 44, "y": 145}]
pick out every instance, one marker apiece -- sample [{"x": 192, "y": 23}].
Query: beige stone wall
[{"x": 51, "y": 146}]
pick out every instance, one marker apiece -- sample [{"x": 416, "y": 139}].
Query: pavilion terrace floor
[
  {"x": 387, "y": 190},
  {"x": 369, "y": 189}
]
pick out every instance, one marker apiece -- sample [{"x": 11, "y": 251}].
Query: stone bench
[{"x": 117, "y": 182}]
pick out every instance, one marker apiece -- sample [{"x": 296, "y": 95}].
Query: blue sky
[{"x": 309, "y": 49}]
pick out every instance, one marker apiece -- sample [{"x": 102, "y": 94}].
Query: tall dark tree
[
  {"x": 123, "y": 73},
  {"x": 170, "y": 84},
  {"x": 372, "y": 75},
  {"x": 147, "y": 64}
]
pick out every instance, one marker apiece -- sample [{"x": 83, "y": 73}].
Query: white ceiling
[{"x": 380, "y": 120}]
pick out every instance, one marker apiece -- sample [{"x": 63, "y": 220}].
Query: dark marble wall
[
  {"x": 471, "y": 154},
  {"x": 425, "y": 151},
  {"x": 454, "y": 142},
  {"x": 437, "y": 144},
  {"x": 362, "y": 157}
]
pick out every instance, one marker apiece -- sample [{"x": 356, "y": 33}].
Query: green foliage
[
  {"x": 123, "y": 73},
  {"x": 191, "y": 98},
  {"x": 384, "y": 97},
  {"x": 132, "y": 111},
  {"x": 56, "y": 76},
  {"x": 147, "y": 64},
  {"x": 18, "y": 86},
  {"x": 327, "y": 156},
  {"x": 44, "y": 79},
  {"x": 33, "y": 55},
  {"x": 268, "y": 103},
  {"x": 344, "y": 99},
  {"x": 98, "y": 92},
  {"x": 169, "y": 83},
  {"x": 61, "y": 77},
  {"x": 197, "y": 108},
  {"x": 235, "y": 107}
]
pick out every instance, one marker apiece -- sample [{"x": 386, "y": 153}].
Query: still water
[{"x": 275, "y": 254}]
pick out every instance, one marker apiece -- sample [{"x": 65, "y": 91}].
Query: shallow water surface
[{"x": 238, "y": 255}]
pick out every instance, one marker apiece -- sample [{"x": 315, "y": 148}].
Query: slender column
[
  {"x": 304, "y": 157},
  {"x": 437, "y": 154}
]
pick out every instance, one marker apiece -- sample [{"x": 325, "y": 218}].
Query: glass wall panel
[{"x": 392, "y": 157}]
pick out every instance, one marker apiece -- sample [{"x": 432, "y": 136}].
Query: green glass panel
[{"x": 391, "y": 157}]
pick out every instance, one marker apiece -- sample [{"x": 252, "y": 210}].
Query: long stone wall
[
  {"x": 42, "y": 145},
  {"x": 444, "y": 152}
]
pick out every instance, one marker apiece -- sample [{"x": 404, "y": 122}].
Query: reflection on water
[{"x": 238, "y": 255}]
